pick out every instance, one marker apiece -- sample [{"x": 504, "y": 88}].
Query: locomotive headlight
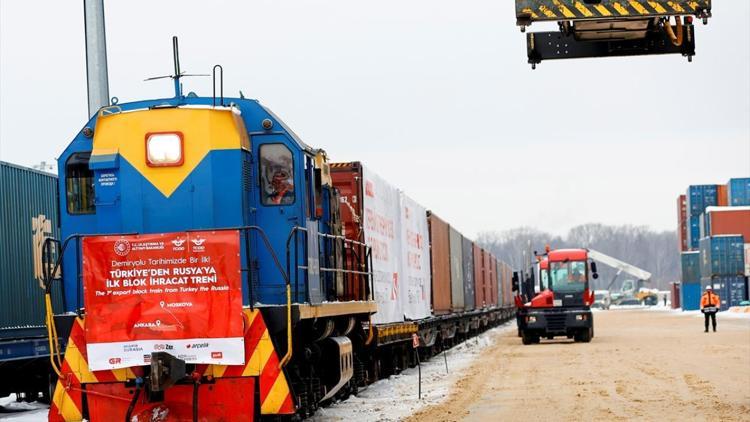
[
  {"x": 531, "y": 319},
  {"x": 164, "y": 149}
]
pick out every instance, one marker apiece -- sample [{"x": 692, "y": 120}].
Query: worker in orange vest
[{"x": 710, "y": 304}]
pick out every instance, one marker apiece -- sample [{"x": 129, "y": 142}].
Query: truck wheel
[
  {"x": 527, "y": 338},
  {"x": 584, "y": 336}
]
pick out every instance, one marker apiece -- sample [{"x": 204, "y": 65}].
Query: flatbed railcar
[{"x": 187, "y": 166}]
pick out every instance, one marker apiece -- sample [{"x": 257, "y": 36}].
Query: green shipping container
[{"x": 28, "y": 215}]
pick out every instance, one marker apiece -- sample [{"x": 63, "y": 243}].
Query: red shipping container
[
  {"x": 480, "y": 274},
  {"x": 721, "y": 195},
  {"x": 674, "y": 291},
  {"x": 495, "y": 281},
  {"x": 682, "y": 225},
  {"x": 729, "y": 220},
  {"x": 441, "y": 264},
  {"x": 347, "y": 178},
  {"x": 488, "y": 279}
]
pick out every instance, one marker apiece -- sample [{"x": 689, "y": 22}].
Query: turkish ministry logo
[{"x": 122, "y": 247}]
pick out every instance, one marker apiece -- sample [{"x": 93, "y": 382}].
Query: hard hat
[{"x": 709, "y": 287}]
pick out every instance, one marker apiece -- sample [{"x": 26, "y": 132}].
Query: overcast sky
[{"x": 435, "y": 96}]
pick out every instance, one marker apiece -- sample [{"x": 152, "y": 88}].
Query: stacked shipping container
[
  {"x": 682, "y": 223},
  {"x": 690, "y": 288},
  {"x": 713, "y": 224},
  {"x": 722, "y": 266},
  {"x": 738, "y": 192},
  {"x": 698, "y": 197}
]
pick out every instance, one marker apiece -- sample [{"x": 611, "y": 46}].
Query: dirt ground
[{"x": 641, "y": 364}]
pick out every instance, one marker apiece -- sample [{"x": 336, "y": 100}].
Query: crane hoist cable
[{"x": 676, "y": 39}]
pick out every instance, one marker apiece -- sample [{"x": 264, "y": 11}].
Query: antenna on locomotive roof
[{"x": 177, "y": 73}]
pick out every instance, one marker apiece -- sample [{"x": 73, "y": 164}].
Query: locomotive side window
[
  {"x": 79, "y": 184},
  {"x": 276, "y": 174}
]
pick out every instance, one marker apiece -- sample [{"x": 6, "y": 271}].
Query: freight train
[
  {"x": 211, "y": 264},
  {"x": 28, "y": 215}
]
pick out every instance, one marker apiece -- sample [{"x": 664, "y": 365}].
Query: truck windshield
[
  {"x": 545, "y": 279},
  {"x": 568, "y": 277}
]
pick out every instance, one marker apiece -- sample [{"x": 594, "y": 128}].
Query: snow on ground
[
  {"x": 395, "y": 398},
  {"x": 696, "y": 313},
  {"x": 11, "y": 410}
]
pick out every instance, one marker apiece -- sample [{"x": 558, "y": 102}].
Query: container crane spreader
[{"x": 608, "y": 28}]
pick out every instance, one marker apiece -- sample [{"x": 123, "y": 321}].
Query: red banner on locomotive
[{"x": 175, "y": 292}]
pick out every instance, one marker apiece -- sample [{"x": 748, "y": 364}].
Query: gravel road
[{"x": 642, "y": 364}]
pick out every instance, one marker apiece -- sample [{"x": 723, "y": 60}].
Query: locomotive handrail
[{"x": 336, "y": 240}]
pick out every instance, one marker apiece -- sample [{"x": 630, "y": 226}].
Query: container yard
[{"x": 412, "y": 234}]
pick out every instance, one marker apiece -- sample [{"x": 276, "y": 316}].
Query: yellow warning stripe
[
  {"x": 620, "y": 9},
  {"x": 563, "y": 9},
  {"x": 547, "y": 12},
  {"x": 583, "y": 9},
  {"x": 260, "y": 356},
  {"x": 530, "y": 12},
  {"x": 78, "y": 364},
  {"x": 64, "y": 405},
  {"x": 676, "y": 7},
  {"x": 602, "y": 10},
  {"x": 276, "y": 396},
  {"x": 578, "y": 9},
  {"x": 638, "y": 7},
  {"x": 658, "y": 7}
]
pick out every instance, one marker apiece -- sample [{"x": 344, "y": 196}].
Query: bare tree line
[{"x": 650, "y": 250}]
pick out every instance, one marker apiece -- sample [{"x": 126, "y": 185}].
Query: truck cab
[{"x": 560, "y": 304}]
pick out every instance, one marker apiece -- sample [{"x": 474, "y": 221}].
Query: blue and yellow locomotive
[{"x": 213, "y": 163}]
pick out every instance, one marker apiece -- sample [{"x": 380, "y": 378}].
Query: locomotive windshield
[
  {"x": 568, "y": 277},
  {"x": 276, "y": 174}
]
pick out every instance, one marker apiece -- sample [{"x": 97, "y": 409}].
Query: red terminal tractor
[{"x": 554, "y": 298}]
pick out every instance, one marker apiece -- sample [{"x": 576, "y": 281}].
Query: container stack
[
  {"x": 690, "y": 289},
  {"x": 714, "y": 242}
]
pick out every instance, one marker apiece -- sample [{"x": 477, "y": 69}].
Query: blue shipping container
[
  {"x": 731, "y": 289},
  {"x": 699, "y": 197},
  {"x": 690, "y": 296},
  {"x": 738, "y": 192},
  {"x": 693, "y": 232},
  {"x": 705, "y": 224},
  {"x": 690, "y": 264},
  {"x": 722, "y": 255}
]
